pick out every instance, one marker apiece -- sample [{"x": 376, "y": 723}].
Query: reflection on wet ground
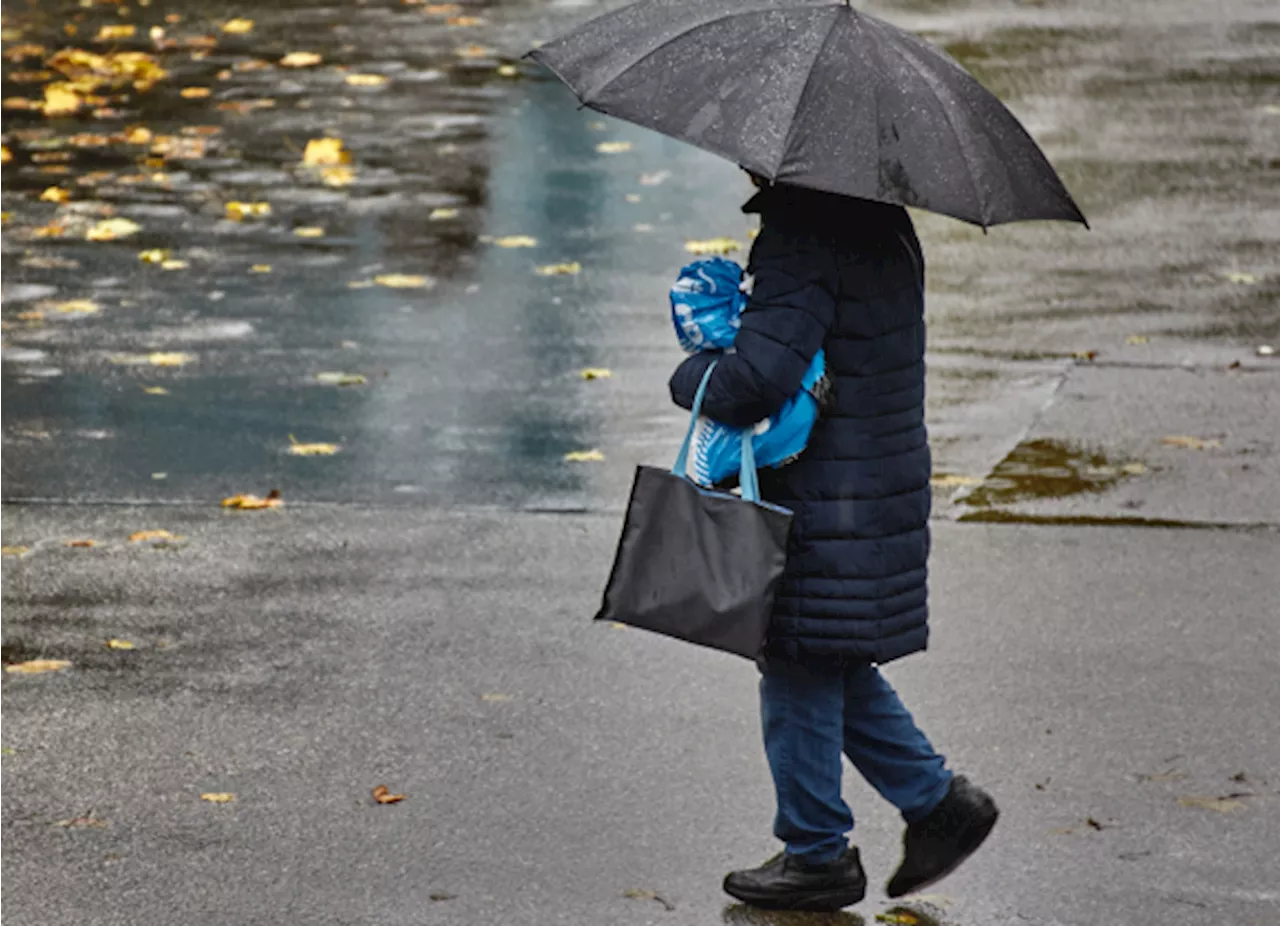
[
  {"x": 1049, "y": 469},
  {"x": 367, "y": 300}
]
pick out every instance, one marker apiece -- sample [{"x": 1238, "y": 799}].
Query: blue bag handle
[{"x": 747, "y": 476}]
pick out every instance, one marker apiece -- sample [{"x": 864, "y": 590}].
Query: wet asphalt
[{"x": 1102, "y": 403}]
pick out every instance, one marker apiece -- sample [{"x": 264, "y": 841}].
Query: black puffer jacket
[{"x": 847, "y": 275}]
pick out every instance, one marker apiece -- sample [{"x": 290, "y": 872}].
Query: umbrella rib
[
  {"x": 973, "y": 181},
  {"x": 719, "y": 18},
  {"x": 808, "y": 79}
]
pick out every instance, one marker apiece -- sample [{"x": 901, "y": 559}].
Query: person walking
[{"x": 845, "y": 275}]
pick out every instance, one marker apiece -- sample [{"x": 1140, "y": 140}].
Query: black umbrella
[{"x": 817, "y": 94}]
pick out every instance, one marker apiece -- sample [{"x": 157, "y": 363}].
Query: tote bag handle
[{"x": 747, "y": 476}]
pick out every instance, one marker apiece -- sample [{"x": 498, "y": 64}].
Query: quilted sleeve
[{"x": 791, "y": 309}]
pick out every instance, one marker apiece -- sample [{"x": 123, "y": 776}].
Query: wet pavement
[{"x": 1100, "y": 393}]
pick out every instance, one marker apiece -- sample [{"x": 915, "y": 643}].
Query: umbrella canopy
[{"x": 817, "y": 94}]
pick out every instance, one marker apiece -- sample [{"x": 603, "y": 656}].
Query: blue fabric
[
  {"x": 811, "y": 714},
  {"x": 706, "y": 301},
  {"x": 845, "y": 276},
  {"x": 706, "y": 305}
]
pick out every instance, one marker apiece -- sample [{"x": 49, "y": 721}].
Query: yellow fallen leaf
[
  {"x": 55, "y": 194},
  {"x": 248, "y": 502},
  {"x": 1225, "y": 804},
  {"x": 952, "y": 480},
  {"x": 159, "y": 475},
  {"x": 1084, "y": 355},
  {"x": 18, "y": 550},
  {"x": 299, "y": 449},
  {"x": 514, "y": 241},
  {"x": 173, "y": 265},
  {"x": 898, "y": 918},
  {"x": 553, "y": 270},
  {"x": 156, "y": 390},
  {"x": 337, "y": 176},
  {"x": 325, "y": 151},
  {"x": 508, "y": 70},
  {"x": 495, "y": 697},
  {"x": 238, "y": 26},
  {"x": 52, "y": 230},
  {"x": 1133, "y": 469},
  {"x": 218, "y": 797},
  {"x": 113, "y": 643},
  {"x": 613, "y": 147},
  {"x": 80, "y": 543},
  {"x": 464, "y": 22},
  {"x": 77, "y": 307},
  {"x": 148, "y": 536},
  {"x": 5, "y": 154},
  {"x": 309, "y": 231},
  {"x": 360, "y": 284},
  {"x": 195, "y": 93},
  {"x": 238, "y": 211},
  {"x": 584, "y": 456},
  {"x": 37, "y": 666},
  {"x": 591, "y": 373},
  {"x": 111, "y": 229},
  {"x": 114, "y": 33},
  {"x": 154, "y": 255},
  {"x": 634, "y": 198},
  {"x": 403, "y": 280},
  {"x": 1190, "y": 443},
  {"x": 60, "y": 100},
  {"x": 439, "y": 215},
  {"x": 474, "y": 51},
  {"x": 169, "y": 358},
  {"x": 365, "y": 80},
  {"x": 438, "y": 9},
  {"x": 1240, "y": 279},
  {"x": 382, "y": 794},
  {"x": 300, "y": 59},
  {"x": 260, "y": 268},
  {"x": 138, "y": 135},
  {"x": 713, "y": 246},
  {"x": 340, "y": 379}
]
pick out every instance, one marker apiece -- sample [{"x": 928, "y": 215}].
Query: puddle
[{"x": 1041, "y": 469}]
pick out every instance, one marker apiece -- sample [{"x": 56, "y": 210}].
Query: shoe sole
[
  {"x": 814, "y": 902},
  {"x": 972, "y": 841}
]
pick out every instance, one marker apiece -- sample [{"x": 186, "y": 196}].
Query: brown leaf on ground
[
  {"x": 640, "y": 894},
  {"x": 1227, "y": 803},
  {"x": 218, "y": 797},
  {"x": 85, "y": 821},
  {"x": 383, "y": 795},
  {"x": 1190, "y": 443},
  {"x": 116, "y": 643},
  {"x": 79, "y": 542}
]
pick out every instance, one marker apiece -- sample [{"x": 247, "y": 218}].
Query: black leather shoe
[
  {"x": 786, "y": 883},
  {"x": 935, "y": 846}
]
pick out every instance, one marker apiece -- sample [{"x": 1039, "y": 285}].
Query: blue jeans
[{"x": 813, "y": 713}]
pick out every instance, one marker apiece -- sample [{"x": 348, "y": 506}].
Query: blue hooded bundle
[{"x": 706, "y": 304}]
